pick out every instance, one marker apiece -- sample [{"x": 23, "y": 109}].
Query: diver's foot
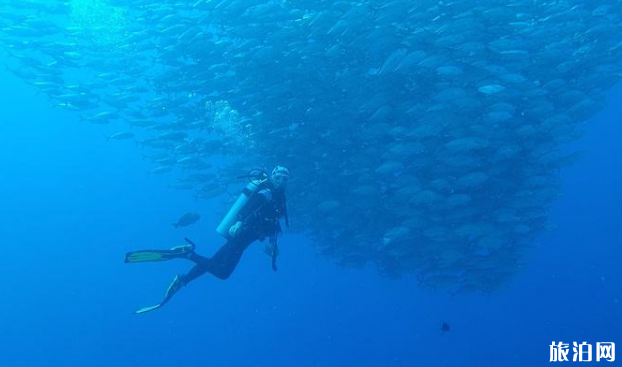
[
  {"x": 178, "y": 252},
  {"x": 173, "y": 288},
  {"x": 183, "y": 250},
  {"x": 147, "y": 309}
]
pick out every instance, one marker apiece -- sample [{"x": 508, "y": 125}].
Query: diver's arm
[{"x": 285, "y": 215}]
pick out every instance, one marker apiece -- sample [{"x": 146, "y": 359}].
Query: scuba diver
[{"x": 254, "y": 216}]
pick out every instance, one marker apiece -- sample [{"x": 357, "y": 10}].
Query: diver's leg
[
  {"x": 197, "y": 259},
  {"x": 178, "y": 283},
  {"x": 221, "y": 265},
  {"x": 175, "y": 286},
  {"x": 201, "y": 267},
  {"x": 195, "y": 272},
  {"x": 224, "y": 261}
]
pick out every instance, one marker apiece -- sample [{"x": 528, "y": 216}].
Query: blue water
[{"x": 72, "y": 203}]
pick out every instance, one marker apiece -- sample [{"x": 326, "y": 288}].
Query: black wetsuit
[{"x": 260, "y": 217}]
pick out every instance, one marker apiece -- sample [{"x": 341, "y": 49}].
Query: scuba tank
[{"x": 256, "y": 178}]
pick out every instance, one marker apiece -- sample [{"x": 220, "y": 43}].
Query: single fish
[
  {"x": 187, "y": 219},
  {"x": 120, "y": 136}
]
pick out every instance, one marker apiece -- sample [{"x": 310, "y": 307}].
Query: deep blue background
[{"x": 72, "y": 203}]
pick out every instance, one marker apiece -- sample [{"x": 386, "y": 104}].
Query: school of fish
[{"x": 424, "y": 137}]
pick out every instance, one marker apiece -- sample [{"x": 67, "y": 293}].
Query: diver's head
[{"x": 279, "y": 177}]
